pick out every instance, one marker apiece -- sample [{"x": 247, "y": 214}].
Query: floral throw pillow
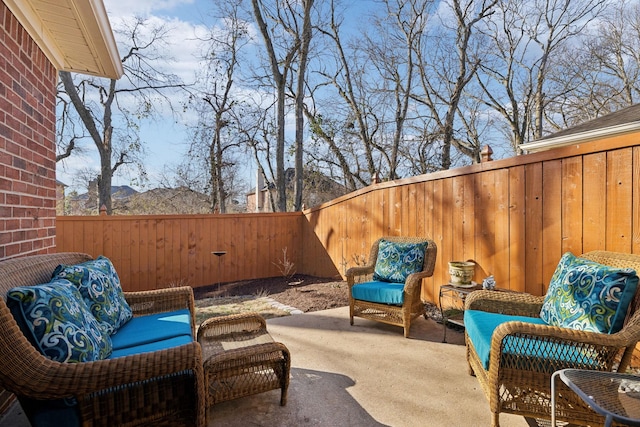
[
  {"x": 56, "y": 320},
  {"x": 100, "y": 288},
  {"x": 396, "y": 261},
  {"x": 589, "y": 296}
]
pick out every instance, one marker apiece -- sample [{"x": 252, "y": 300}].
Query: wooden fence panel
[
  {"x": 152, "y": 252},
  {"x": 514, "y": 217}
]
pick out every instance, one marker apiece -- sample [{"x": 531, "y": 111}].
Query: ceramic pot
[{"x": 461, "y": 272}]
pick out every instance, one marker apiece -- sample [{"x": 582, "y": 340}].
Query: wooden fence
[
  {"x": 151, "y": 252},
  {"x": 513, "y": 217}
]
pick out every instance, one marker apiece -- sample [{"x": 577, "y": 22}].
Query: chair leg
[{"x": 495, "y": 419}]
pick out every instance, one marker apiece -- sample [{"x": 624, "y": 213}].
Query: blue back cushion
[
  {"x": 381, "y": 292},
  {"x": 586, "y": 295},
  {"x": 100, "y": 288},
  {"x": 58, "y": 323},
  {"x": 396, "y": 261}
]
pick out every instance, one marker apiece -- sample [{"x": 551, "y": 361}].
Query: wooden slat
[
  {"x": 533, "y": 230},
  {"x": 635, "y": 210},
  {"x": 571, "y": 212},
  {"x": 551, "y": 219},
  {"x": 619, "y": 203},
  {"x": 594, "y": 196},
  {"x": 517, "y": 232}
]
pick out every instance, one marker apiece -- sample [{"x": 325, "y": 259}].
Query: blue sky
[{"x": 165, "y": 140}]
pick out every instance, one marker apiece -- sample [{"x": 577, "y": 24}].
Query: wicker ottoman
[{"x": 241, "y": 358}]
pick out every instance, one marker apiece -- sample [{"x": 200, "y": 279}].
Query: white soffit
[
  {"x": 74, "y": 34},
  {"x": 561, "y": 141}
]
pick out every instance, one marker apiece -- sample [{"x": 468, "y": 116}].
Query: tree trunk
[{"x": 299, "y": 100}]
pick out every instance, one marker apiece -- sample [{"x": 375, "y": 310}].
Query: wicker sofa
[
  {"x": 524, "y": 351},
  {"x": 159, "y": 387}
]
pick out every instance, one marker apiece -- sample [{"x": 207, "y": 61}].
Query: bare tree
[
  {"x": 602, "y": 71},
  {"x": 304, "y": 36},
  {"x": 95, "y": 99},
  {"x": 526, "y": 38},
  {"x": 281, "y": 62},
  {"x": 218, "y": 134},
  {"x": 446, "y": 72}
]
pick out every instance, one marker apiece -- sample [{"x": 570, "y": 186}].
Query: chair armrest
[
  {"x": 358, "y": 271},
  {"x": 511, "y": 303},
  {"x": 601, "y": 349},
  {"x": 220, "y": 327},
  {"x": 415, "y": 280},
  {"x": 162, "y": 300},
  {"x": 54, "y": 380}
]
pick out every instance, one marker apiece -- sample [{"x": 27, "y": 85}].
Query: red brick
[{"x": 27, "y": 141}]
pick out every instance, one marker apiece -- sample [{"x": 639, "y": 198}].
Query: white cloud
[{"x": 118, "y": 8}]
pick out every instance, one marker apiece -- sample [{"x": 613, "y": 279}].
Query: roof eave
[
  {"x": 94, "y": 25},
  {"x": 561, "y": 141}
]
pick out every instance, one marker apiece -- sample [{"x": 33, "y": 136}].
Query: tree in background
[
  {"x": 216, "y": 136},
  {"x": 286, "y": 33},
  {"x": 526, "y": 42},
  {"x": 96, "y": 102},
  {"x": 601, "y": 73}
]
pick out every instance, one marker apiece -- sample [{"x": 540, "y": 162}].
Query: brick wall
[{"x": 27, "y": 143}]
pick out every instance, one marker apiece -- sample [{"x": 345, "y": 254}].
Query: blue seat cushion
[
  {"x": 480, "y": 326},
  {"x": 153, "y": 346},
  {"x": 380, "y": 292},
  {"x": 152, "y": 328}
]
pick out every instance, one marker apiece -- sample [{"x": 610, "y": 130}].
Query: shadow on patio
[
  {"x": 360, "y": 376},
  {"x": 366, "y": 375}
]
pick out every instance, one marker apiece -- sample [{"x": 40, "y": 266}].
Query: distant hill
[
  {"x": 117, "y": 192},
  {"x": 163, "y": 201},
  {"x": 157, "y": 201}
]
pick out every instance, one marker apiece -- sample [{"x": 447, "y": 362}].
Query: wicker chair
[
  {"x": 161, "y": 388},
  {"x": 521, "y": 383},
  {"x": 412, "y": 307}
]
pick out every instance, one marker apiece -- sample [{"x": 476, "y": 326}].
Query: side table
[
  {"x": 453, "y": 312},
  {"x": 241, "y": 358},
  {"x": 600, "y": 391}
]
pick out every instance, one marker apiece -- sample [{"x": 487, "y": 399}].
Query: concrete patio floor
[
  {"x": 366, "y": 375},
  {"x": 362, "y": 375}
]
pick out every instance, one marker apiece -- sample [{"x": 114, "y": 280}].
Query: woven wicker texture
[
  {"x": 241, "y": 358},
  {"x": 521, "y": 384},
  {"x": 391, "y": 314},
  {"x": 159, "y": 388}
]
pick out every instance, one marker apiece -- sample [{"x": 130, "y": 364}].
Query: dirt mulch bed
[{"x": 306, "y": 293}]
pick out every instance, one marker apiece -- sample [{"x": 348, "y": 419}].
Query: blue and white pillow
[
  {"x": 55, "y": 319},
  {"x": 396, "y": 261},
  {"x": 100, "y": 288},
  {"x": 586, "y": 295}
]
